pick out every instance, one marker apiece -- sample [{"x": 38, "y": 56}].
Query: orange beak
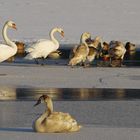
[
  {"x": 14, "y": 26},
  {"x": 62, "y": 33}
]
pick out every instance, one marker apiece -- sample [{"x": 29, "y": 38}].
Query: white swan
[
  {"x": 54, "y": 121},
  {"x": 9, "y": 49},
  {"x": 42, "y": 48}
]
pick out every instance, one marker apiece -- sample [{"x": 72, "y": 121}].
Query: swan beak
[
  {"x": 14, "y": 26},
  {"x": 38, "y": 102},
  {"x": 62, "y": 33}
]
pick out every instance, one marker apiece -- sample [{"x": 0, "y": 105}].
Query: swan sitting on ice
[
  {"x": 52, "y": 122},
  {"x": 9, "y": 49},
  {"x": 42, "y": 48}
]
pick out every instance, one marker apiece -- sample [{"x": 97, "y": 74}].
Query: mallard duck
[{"x": 51, "y": 122}]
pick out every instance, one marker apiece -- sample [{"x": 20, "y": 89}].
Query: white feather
[
  {"x": 42, "y": 48},
  {"x": 10, "y": 49},
  {"x": 6, "y": 52}
]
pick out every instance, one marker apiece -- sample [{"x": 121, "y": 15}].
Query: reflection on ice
[{"x": 81, "y": 94}]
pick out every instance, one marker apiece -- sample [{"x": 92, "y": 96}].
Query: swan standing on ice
[
  {"x": 10, "y": 48},
  {"x": 42, "y": 48},
  {"x": 52, "y": 122},
  {"x": 80, "y": 52}
]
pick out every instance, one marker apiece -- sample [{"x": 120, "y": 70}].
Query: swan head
[
  {"x": 42, "y": 99},
  {"x": 85, "y": 36},
  {"x": 11, "y": 24},
  {"x": 60, "y": 30}
]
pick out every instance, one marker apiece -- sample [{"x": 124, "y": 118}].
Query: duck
[
  {"x": 8, "y": 49},
  {"x": 20, "y": 47},
  {"x": 130, "y": 46},
  {"x": 55, "y": 55},
  {"x": 43, "y": 47},
  {"x": 95, "y": 46},
  {"x": 116, "y": 51},
  {"x": 80, "y": 52},
  {"x": 54, "y": 122},
  {"x": 10, "y": 59},
  {"x": 104, "y": 54}
]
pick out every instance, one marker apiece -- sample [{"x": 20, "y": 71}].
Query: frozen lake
[
  {"x": 110, "y": 19},
  {"x": 69, "y": 94}
]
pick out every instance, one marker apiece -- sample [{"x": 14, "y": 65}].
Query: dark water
[
  {"x": 68, "y": 94},
  {"x": 131, "y": 58}
]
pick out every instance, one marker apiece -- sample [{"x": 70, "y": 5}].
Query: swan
[
  {"x": 80, "y": 52},
  {"x": 116, "y": 51},
  {"x": 10, "y": 48},
  {"x": 42, "y": 48},
  {"x": 51, "y": 121}
]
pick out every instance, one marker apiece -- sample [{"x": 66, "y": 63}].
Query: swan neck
[
  {"x": 49, "y": 104},
  {"x": 83, "y": 41},
  {"x": 48, "y": 111},
  {"x": 52, "y": 36},
  {"x": 41, "y": 119},
  {"x": 6, "y": 38}
]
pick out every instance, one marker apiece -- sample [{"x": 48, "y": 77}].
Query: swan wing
[
  {"x": 61, "y": 122},
  {"x": 41, "y": 49},
  {"x": 33, "y": 46},
  {"x": 6, "y": 52}
]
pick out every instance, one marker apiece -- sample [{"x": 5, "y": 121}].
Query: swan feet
[
  {"x": 43, "y": 61},
  {"x": 36, "y": 61}
]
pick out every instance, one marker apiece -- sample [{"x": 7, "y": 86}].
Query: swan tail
[
  {"x": 75, "y": 128},
  {"x": 74, "y": 61}
]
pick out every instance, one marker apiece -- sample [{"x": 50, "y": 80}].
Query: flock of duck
[{"x": 82, "y": 54}]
